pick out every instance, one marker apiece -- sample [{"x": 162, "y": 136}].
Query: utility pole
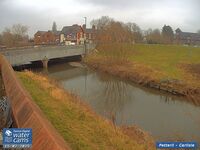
[
  {"x": 85, "y": 36},
  {"x": 85, "y": 21}
]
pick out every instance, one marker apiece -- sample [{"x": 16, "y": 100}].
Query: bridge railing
[{"x": 27, "y": 114}]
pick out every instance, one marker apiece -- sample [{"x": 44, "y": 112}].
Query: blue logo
[
  {"x": 181, "y": 145},
  {"x": 17, "y": 138}
]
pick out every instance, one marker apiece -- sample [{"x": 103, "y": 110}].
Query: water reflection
[
  {"x": 164, "y": 116},
  {"x": 115, "y": 94}
]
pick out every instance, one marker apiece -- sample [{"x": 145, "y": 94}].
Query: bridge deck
[{"x": 30, "y": 54}]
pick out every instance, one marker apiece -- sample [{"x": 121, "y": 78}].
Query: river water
[{"x": 165, "y": 117}]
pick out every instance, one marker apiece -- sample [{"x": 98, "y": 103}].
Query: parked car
[{"x": 72, "y": 43}]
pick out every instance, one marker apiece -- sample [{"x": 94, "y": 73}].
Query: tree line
[
  {"x": 15, "y": 36},
  {"x": 165, "y": 36},
  {"x": 110, "y": 30}
]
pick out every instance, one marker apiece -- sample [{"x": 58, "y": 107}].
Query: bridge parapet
[
  {"x": 26, "y": 56},
  {"x": 27, "y": 114}
]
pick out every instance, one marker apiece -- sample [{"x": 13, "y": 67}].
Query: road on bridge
[{"x": 20, "y": 56}]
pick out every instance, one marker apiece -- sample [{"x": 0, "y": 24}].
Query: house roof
[
  {"x": 43, "y": 32},
  {"x": 40, "y": 32},
  {"x": 187, "y": 34},
  {"x": 71, "y": 29}
]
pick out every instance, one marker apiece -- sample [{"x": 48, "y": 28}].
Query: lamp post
[
  {"x": 85, "y": 35},
  {"x": 85, "y": 21},
  {"x": 85, "y": 55}
]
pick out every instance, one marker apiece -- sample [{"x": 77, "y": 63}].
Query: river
[{"x": 164, "y": 116}]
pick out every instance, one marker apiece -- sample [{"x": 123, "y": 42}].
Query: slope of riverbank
[
  {"x": 76, "y": 122},
  {"x": 174, "y": 69}
]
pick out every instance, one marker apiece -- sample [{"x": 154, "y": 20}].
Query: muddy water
[{"x": 164, "y": 116}]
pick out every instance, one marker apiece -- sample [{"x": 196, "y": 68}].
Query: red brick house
[
  {"x": 46, "y": 38},
  {"x": 71, "y": 35},
  {"x": 89, "y": 33}
]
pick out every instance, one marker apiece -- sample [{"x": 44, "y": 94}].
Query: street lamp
[
  {"x": 85, "y": 21},
  {"x": 85, "y": 35}
]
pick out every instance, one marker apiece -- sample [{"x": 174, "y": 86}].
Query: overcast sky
[{"x": 40, "y": 14}]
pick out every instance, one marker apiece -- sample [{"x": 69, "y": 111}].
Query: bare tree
[
  {"x": 19, "y": 30},
  {"x": 133, "y": 27},
  {"x": 111, "y": 31},
  {"x": 15, "y": 36},
  {"x": 148, "y": 32},
  {"x": 153, "y": 36},
  {"x": 102, "y": 22},
  {"x": 8, "y": 38},
  {"x": 136, "y": 31}
]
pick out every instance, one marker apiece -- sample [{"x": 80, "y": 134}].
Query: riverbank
[
  {"x": 173, "y": 69},
  {"x": 76, "y": 122}
]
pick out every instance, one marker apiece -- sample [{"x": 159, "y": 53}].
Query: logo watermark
[
  {"x": 17, "y": 138},
  {"x": 177, "y": 145}
]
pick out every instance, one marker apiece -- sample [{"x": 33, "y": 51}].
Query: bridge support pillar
[
  {"x": 45, "y": 62},
  {"x": 83, "y": 55}
]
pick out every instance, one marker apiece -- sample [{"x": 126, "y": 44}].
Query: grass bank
[
  {"x": 77, "y": 123},
  {"x": 172, "y": 68}
]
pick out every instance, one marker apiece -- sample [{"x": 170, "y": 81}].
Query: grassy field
[
  {"x": 167, "y": 59},
  {"x": 158, "y": 62},
  {"x": 76, "y": 122}
]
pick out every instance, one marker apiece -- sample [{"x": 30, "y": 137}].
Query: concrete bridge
[{"x": 28, "y": 55}]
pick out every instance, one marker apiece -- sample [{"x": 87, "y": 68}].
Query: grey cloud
[
  {"x": 128, "y": 3},
  {"x": 122, "y": 4},
  {"x": 185, "y": 13}
]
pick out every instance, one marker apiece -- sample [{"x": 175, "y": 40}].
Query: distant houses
[
  {"x": 187, "y": 38},
  {"x": 90, "y": 34},
  {"x": 77, "y": 34},
  {"x": 69, "y": 35},
  {"x": 46, "y": 37}
]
